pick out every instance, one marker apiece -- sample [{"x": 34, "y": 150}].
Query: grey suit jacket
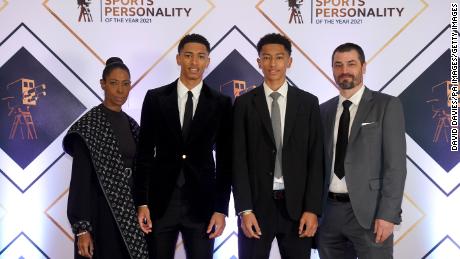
[{"x": 375, "y": 162}]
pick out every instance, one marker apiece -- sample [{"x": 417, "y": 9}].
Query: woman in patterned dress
[{"x": 103, "y": 143}]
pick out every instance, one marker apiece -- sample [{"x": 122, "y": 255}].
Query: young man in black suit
[
  {"x": 178, "y": 185},
  {"x": 277, "y": 160}
]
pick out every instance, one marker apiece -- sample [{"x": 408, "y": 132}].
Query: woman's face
[{"x": 116, "y": 87}]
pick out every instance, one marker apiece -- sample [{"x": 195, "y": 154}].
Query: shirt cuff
[
  {"x": 244, "y": 212},
  {"x": 220, "y": 213}
]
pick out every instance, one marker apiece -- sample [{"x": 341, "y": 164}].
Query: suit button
[
  {"x": 274, "y": 151},
  {"x": 184, "y": 156},
  {"x": 270, "y": 173}
]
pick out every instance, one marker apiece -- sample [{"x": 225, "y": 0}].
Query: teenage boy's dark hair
[
  {"x": 274, "y": 38},
  {"x": 197, "y": 38}
]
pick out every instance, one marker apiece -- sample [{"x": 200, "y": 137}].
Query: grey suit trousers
[{"x": 341, "y": 236}]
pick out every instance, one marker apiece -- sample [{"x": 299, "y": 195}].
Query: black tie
[
  {"x": 342, "y": 140},
  {"x": 188, "y": 115}
]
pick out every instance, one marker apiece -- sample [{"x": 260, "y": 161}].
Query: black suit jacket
[
  {"x": 163, "y": 153},
  {"x": 254, "y": 153}
]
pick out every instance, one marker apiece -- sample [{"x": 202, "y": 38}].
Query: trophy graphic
[{"x": 22, "y": 95}]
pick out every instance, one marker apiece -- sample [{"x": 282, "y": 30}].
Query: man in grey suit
[{"x": 365, "y": 155}]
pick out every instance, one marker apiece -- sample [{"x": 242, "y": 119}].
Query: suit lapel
[
  {"x": 204, "y": 110},
  {"x": 170, "y": 110},
  {"x": 292, "y": 106},
  {"x": 364, "y": 107},
  {"x": 262, "y": 108}
]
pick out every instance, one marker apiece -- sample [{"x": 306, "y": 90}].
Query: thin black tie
[
  {"x": 342, "y": 140},
  {"x": 188, "y": 115}
]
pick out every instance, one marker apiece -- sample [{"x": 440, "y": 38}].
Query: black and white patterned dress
[{"x": 103, "y": 144}]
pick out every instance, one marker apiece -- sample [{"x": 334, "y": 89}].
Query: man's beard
[{"x": 347, "y": 84}]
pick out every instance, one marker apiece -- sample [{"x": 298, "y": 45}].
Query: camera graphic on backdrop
[
  {"x": 294, "y": 8},
  {"x": 85, "y": 12},
  {"x": 427, "y": 111},
  {"x": 234, "y": 76},
  {"x": 235, "y": 88},
  {"x": 440, "y": 108},
  {"x": 23, "y": 94},
  {"x": 35, "y": 107}
]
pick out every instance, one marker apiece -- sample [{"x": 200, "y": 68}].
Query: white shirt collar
[
  {"x": 182, "y": 89},
  {"x": 355, "y": 99},
  {"x": 282, "y": 90}
]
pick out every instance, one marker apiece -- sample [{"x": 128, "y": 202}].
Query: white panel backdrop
[{"x": 401, "y": 38}]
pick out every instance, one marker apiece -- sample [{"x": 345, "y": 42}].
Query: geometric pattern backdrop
[{"x": 51, "y": 59}]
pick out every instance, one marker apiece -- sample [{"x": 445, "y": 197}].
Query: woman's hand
[
  {"x": 85, "y": 245},
  {"x": 143, "y": 216}
]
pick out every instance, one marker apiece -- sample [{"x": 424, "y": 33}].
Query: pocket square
[{"x": 367, "y": 123}]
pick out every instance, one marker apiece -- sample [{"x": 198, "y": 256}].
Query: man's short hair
[
  {"x": 348, "y": 47},
  {"x": 196, "y": 38},
  {"x": 274, "y": 38}
]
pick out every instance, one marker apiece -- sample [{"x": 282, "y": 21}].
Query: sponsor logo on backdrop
[
  {"x": 35, "y": 108},
  {"x": 344, "y": 11},
  {"x": 85, "y": 11},
  {"x": 113, "y": 21},
  {"x": 359, "y": 19},
  {"x": 234, "y": 76},
  {"x": 295, "y": 15},
  {"x": 129, "y": 11},
  {"x": 427, "y": 111}
]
